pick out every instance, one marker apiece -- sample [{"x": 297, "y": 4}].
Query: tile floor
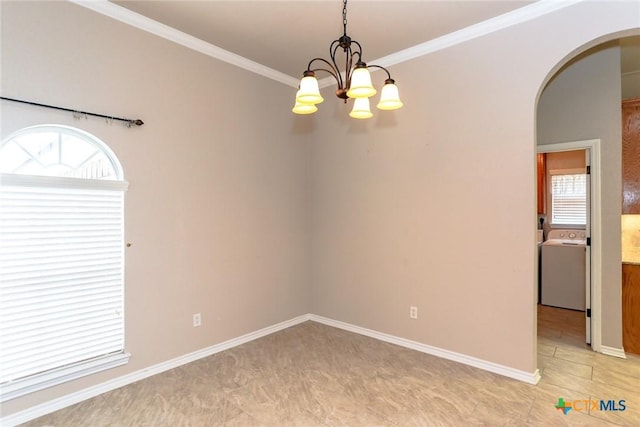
[{"x": 567, "y": 363}]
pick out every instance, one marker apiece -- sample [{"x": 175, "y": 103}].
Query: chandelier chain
[{"x": 344, "y": 16}]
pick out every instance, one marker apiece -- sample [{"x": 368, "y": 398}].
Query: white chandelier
[{"x": 354, "y": 82}]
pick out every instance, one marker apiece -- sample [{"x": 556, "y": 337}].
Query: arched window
[{"x": 61, "y": 258}]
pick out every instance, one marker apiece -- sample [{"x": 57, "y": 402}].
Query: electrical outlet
[
  {"x": 413, "y": 312},
  {"x": 197, "y": 320}
]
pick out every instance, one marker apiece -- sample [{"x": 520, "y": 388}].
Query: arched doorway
[{"x": 581, "y": 101}]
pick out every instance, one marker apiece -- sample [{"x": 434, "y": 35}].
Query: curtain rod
[{"x": 127, "y": 122}]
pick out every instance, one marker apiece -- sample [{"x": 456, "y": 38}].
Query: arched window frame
[{"x": 113, "y": 349}]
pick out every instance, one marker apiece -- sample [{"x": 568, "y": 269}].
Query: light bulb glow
[
  {"x": 389, "y": 97},
  {"x": 361, "y": 109},
  {"x": 300, "y": 108},
  {"x": 361, "y": 86},
  {"x": 309, "y": 92},
  {"x": 303, "y": 108}
]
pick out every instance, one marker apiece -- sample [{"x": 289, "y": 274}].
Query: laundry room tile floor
[{"x": 566, "y": 362}]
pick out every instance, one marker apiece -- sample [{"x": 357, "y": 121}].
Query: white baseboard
[
  {"x": 528, "y": 377},
  {"x": 79, "y": 396},
  {"x": 612, "y": 351}
]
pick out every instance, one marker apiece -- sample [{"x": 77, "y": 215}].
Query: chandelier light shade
[
  {"x": 361, "y": 86},
  {"x": 309, "y": 92},
  {"x": 389, "y": 98},
  {"x": 361, "y": 109},
  {"x": 354, "y": 81},
  {"x": 304, "y": 108}
]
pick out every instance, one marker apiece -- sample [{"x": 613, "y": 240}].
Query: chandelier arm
[
  {"x": 332, "y": 53},
  {"x": 350, "y": 57},
  {"x": 348, "y": 63},
  {"x": 333, "y": 71},
  {"x": 333, "y": 47},
  {"x": 357, "y": 52},
  {"x": 328, "y": 71},
  {"x": 382, "y": 68}
]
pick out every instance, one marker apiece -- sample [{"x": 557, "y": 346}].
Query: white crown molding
[
  {"x": 169, "y": 33},
  {"x": 509, "y": 19},
  {"x": 523, "y": 14}
]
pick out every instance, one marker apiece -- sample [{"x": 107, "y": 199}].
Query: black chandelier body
[{"x": 354, "y": 82}]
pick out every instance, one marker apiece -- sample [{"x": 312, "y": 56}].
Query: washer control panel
[{"x": 567, "y": 235}]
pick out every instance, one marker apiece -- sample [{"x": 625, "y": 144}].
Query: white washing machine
[{"x": 563, "y": 262}]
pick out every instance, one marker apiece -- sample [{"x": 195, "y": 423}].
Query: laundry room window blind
[
  {"x": 61, "y": 259},
  {"x": 569, "y": 197}
]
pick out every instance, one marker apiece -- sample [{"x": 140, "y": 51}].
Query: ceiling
[{"x": 285, "y": 35}]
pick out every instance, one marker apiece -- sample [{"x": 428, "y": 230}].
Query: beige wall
[
  {"x": 583, "y": 102},
  {"x": 631, "y": 86},
  {"x": 217, "y": 205},
  {"x": 233, "y": 213},
  {"x": 434, "y": 205},
  {"x": 630, "y": 48}
]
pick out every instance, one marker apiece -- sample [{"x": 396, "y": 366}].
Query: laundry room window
[
  {"x": 61, "y": 258},
  {"x": 568, "y": 197}
]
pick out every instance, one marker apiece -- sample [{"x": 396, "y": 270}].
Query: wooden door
[
  {"x": 631, "y": 308},
  {"x": 542, "y": 182}
]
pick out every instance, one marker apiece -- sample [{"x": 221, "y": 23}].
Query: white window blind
[
  {"x": 61, "y": 263},
  {"x": 569, "y": 199},
  {"x": 61, "y": 259}
]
